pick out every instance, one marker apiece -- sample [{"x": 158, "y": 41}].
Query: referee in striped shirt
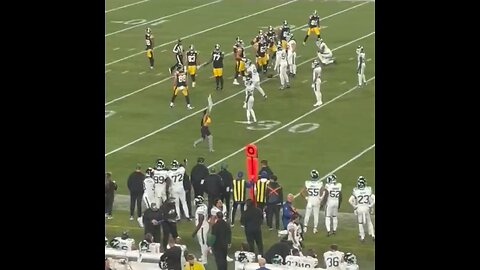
[{"x": 178, "y": 51}]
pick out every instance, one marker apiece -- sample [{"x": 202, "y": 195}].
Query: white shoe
[
  {"x": 106, "y": 215},
  {"x": 317, "y": 104},
  {"x": 151, "y": 67},
  {"x": 171, "y": 104},
  {"x": 190, "y": 107},
  {"x": 304, "y": 228},
  {"x": 140, "y": 222},
  {"x": 110, "y": 217},
  {"x": 315, "y": 231},
  {"x": 235, "y": 82},
  {"x": 131, "y": 217},
  {"x": 193, "y": 84},
  {"x": 229, "y": 259}
]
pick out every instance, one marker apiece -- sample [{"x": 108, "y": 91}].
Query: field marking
[
  {"x": 323, "y": 82},
  {"x": 131, "y": 49},
  {"x": 159, "y": 74},
  {"x": 351, "y": 58},
  {"x": 161, "y": 18},
  {"x": 129, "y": 5},
  {"x": 108, "y": 70},
  {"x": 116, "y": 49},
  {"x": 304, "y": 81},
  {"x": 109, "y": 113},
  {"x": 242, "y": 122},
  {"x": 344, "y": 82},
  {"x": 222, "y": 100},
  {"x": 124, "y": 72},
  {"x": 288, "y": 124},
  {"x": 140, "y": 73},
  {"x": 350, "y": 160},
  {"x": 206, "y": 30},
  {"x": 168, "y": 78},
  {"x": 369, "y": 59},
  {"x": 164, "y": 50}
]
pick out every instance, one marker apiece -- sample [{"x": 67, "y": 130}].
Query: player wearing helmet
[
  {"x": 178, "y": 52},
  {"x": 314, "y": 190},
  {"x": 180, "y": 84},
  {"x": 316, "y": 82},
  {"x": 362, "y": 201},
  {"x": 176, "y": 175},
  {"x": 284, "y": 32},
  {"x": 149, "y": 46},
  {"x": 217, "y": 59},
  {"x": 249, "y": 99},
  {"x": 192, "y": 58},
  {"x": 313, "y": 26},
  {"x": 324, "y": 54},
  {"x": 361, "y": 66},
  {"x": 202, "y": 226},
  {"x": 334, "y": 200},
  {"x": 239, "y": 53}
]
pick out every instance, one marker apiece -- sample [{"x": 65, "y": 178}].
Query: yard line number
[{"x": 298, "y": 128}]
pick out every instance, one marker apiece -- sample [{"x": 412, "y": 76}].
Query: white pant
[
  {"x": 325, "y": 58},
  {"x": 361, "y": 69},
  {"x": 202, "y": 235},
  {"x": 315, "y": 207},
  {"x": 147, "y": 200},
  {"x": 292, "y": 62},
  {"x": 257, "y": 86},
  {"x": 283, "y": 73},
  {"x": 363, "y": 216},
  {"x": 180, "y": 198},
  {"x": 331, "y": 209},
  {"x": 160, "y": 197},
  {"x": 250, "y": 101}
]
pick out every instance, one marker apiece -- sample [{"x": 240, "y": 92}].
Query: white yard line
[
  {"x": 288, "y": 124},
  {"x": 129, "y": 5},
  {"x": 204, "y": 31},
  {"x": 168, "y": 78},
  {"x": 222, "y": 100},
  {"x": 162, "y": 18}
]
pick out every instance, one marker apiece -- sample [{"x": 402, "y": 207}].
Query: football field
[{"x": 291, "y": 134}]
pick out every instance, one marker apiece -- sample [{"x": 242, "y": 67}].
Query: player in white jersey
[
  {"x": 148, "y": 246},
  {"x": 361, "y": 66},
  {"x": 218, "y": 206},
  {"x": 301, "y": 261},
  {"x": 123, "y": 242},
  {"x": 291, "y": 54},
  {"x": 324, "y": 53},
  {"x": 363, "y": 200},
  {"x": 281, "y": 66},
  {"x": 251, "y": 71},
  {"x": 148, "y": 188},
  {"x": 294, "y": 230},
  {"x": 350, "y": 262},
  {"x": 177, "y": 190},
  {"x": 249, "y": 99},
  {"x": 333, "y": 258},
  {"x": 202, "y": 227},
  {"x": 314, "y": 189},
  {"x": 334, "y": 199},
  {"x": 316, "y": 82},
  {"x": 160, "y": 177}
]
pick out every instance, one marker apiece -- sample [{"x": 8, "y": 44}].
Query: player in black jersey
[
  {"x": 178, "y": 51},
  {"x": 180, "y": 85},
  {"x": 217, "y": 59},
  {"x": 149, "y": 45},
  {"x": 313, "y": 26},
  {"x": 192, "y": 57}
]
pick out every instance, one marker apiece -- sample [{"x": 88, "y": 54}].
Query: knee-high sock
[{"x": 210, "y": 142}]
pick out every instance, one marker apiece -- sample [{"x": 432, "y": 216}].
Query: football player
[
  {"x": 202, "y": 227},
  {"x": 180, "y": 84},
  {"x": 217, "y": 59},
  {"x": 253, "y": 74},
  {"x": 123, "y": 242},
  {"x": 149, "y": 45},
  {"x": 297, "y": 260},
  {"x": 313, "y": 26},
  {"x": 192, "y": 57},
  {"x": 162, "y": 183},
  {"x": 239, "y": 53},
  {"x": 148, "y": 188},
  {"x": 249, "y": 99},
  {"x": 176, "y": 174},
  {"x": 262, "y": 55},
  {"x": 244, "y": 256},
  {"x": 294, "y": 231},
  {"x": 362, "y": 201},
  {"x": 333, "y": 258},
  {"x": 178, "y": 52},
  {"x": 281, "y": 66},
  {"x": 272, "y": 41},
  {"x": 284, "y": 32},
  {"x": 334, "y": 199},
  {"x": 148, "y": 246},
  {"x": 361, "y": 66},
  {"x": 351, "y": 262},
  {"x": 292, "y": 55},
  {"x": 314, "y": 188},
  {"x": 324, "y": 53},
  {"x": 316, "y": 82}
]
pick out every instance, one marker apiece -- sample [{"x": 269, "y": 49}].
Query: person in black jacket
[
  {"x": 135, "y": 186},
  {"x": 274, "y": 202},
  {"x": 169, "y": 220},
  {"x": 110, "y": 187},
  {"x": 187, "y": 185},
  {"x": 152, "y": 220},
  {"x": 213, "y": 186},
  {"x": 172, "y": 256},
  {"x": 227, "y": 179},
  {"x": 252, "y": 220},
  {"x": 282, "y": 248},
  {"x": 198, "y": 174},
  {"x": 223, "y": 240},
  {"x": 265, "y": 167}
]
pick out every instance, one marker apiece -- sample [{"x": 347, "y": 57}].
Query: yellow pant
[
  {"x": 316, "y": 30},
  {"x": 217, "y": 72},
  {"x": 192, "y": 70},
  {"x": 262, "y": 60},
  {"x": 149, "y": 53},
  {"x": 240, "y": 66},
  {"x": 184, "y": 90}
]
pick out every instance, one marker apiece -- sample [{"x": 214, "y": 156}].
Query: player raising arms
[
  {"x": 313, "y": 26},
  {"x": 217, "y": 59},
  {"x": 192, "y": 58},
  {"x": 180, "y": 84},
  {"x": 284, "y": 32},
  {"x": 239, "y": 53},
  {"x": 149, "y": 45}
]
